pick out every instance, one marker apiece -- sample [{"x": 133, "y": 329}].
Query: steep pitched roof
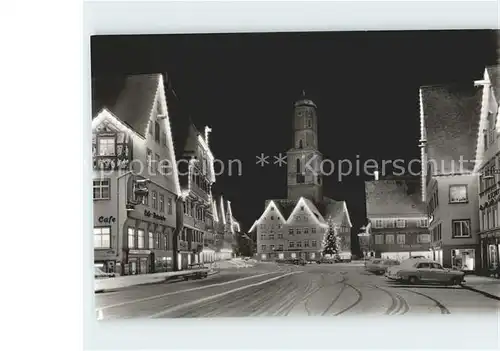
[
  {"x": 337, "y": 210},
  {"x": 136, "y": 100},
  {"x": 494, "y": 76},
  {"x": 314, "y": 209},
  {"x": 284, "y": 206},
  {"x": 394, "y": 198},
  {"x": 182, "y": 126},
  {"x": 450, "y": 117}
]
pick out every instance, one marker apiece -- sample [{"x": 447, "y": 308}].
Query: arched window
[
  {"x": 300, "y": 144},
  {"x": 298, "y": 165}
]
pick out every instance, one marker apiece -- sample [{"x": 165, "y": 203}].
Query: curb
[
  {"x": 491, "y": 296},
  {"x": 162, "y": 281}
]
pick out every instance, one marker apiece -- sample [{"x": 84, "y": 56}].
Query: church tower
[{"x": 304, "y": 159}]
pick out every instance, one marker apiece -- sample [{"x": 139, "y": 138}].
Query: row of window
[
  {"x": 488, "y": 177},
  {"x": 489, "y": 217},
  {"x": 154, "y": 164},
  {"x": 271, "y": 227},
  {"x": 397, "y": 223},
  {"x": 158, "y": 202},
  {"x": 291, "y": 244},
  {"x": 458, "y": 194},
  {"x": 137, "y": 240},
  {"x": 293, "y": 231},
  {"x": 197, "y": 236},
  {"x": 400, "y": 239},
  {"x": 197, "y": 212},
  {"x": 102, "y": 191}
]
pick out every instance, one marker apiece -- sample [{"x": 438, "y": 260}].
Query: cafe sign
[
  {"x": 106, "y": 220},
  {"x": 154, "y": 215}
]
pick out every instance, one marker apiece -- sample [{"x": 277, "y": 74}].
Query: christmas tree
[{"x": 331, "y": 243}]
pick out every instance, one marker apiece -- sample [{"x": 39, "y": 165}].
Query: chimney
[{"x": 375, "y": 174}]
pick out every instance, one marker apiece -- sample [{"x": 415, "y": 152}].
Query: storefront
[
  {"x": 490, "y": 251},
  {"x": 463, "y": 259},
  {"x": 105, "y": 259},
  {"x": 138, "y": 262},
  {"x": 105, "y": 239},
  {"x": 147, "y": 245},
  {"x": 404, "y": 255},
  {"x": 306, "y": 255}
]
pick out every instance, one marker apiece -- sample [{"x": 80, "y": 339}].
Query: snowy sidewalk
[
  {"x": 102, "y": 285},
  {"x": 487, "y": 286}
]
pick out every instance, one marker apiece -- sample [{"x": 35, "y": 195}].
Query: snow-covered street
[{"x": 287, "y": 290}]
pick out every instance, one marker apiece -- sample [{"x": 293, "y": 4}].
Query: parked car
[
  {"x": 100, "y": 274},
  {"x": 379, "y": 266},
  {"x": 196, "y": 271},
  {"x": 415, "y": 271}
]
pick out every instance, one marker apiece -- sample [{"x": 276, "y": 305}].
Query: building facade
[
  {"x": 295, "y": 227},
  {"x": 196, "y": 176},
  {"x": 135, "y": 187},
  {"x": 398, "y": 225},
  {"x": 488, "y": 165},
  {"x": 449, "y": 133}
]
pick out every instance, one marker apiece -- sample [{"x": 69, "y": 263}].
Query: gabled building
[
  {"x": 135, "y": 183},
  {"x": 487, "y": 166},
  {"x": 295, "y": 227},
  {"x": 398, "y": 225},
  {"x": 225, "y": 228},
  {"x": 196, "y": 177},
  {"x": 450, "y": 117}
]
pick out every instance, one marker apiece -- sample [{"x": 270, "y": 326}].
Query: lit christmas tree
[{"x": 331, "y": 242}]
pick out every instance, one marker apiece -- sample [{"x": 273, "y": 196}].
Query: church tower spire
[{"x": 304, "y": 159}]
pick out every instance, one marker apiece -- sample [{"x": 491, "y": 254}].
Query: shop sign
[
  {"x": 105, "y": 253},
  {"x": 139, "y": 252},
  {"x": 154, "y": 215},
  {"x": 107, "y": 220}
]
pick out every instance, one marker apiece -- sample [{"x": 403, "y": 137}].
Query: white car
[{"x": 416, "y": 271}]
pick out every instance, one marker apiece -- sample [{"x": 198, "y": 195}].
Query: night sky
[{"x": 244, "y": 86}]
